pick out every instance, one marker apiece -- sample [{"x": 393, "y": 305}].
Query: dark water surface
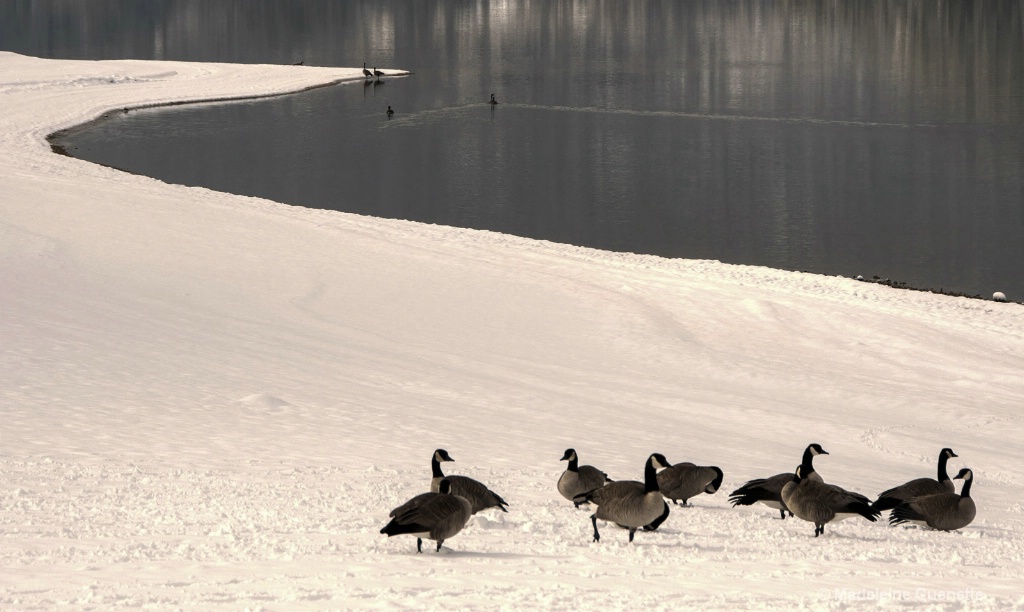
[{"x": 858, "y": 137}]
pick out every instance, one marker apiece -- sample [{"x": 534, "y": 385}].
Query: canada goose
[
  {"x": 629, "y": 503},
  {"x": 919, "y": 486},
  {"x": 768, "y": 491},
  {"x": 366, "y": 73},
  {"x": 435, "y": 516},
  {"x": 685, "y": 480},
  {"x": 821, "y": 503},
  {"x": 578, "y": 479},
  {"x": 493, "y": 101},
  {"x": 377, "y": 73},
  {"x": 390, "y": 112},
  {"x": 942, "y": 511},
  {"x": 479, "y": 496}
]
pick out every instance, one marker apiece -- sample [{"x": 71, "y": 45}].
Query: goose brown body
[
  {"x": 578, "y": 479},
  {"x": 821, "y": 503},
  {"x": 435, "y": 516}
]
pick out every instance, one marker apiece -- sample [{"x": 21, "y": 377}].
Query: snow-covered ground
[{"x": 212, "y": 402}]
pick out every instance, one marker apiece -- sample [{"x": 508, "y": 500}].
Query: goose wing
[
  {"x": 761, "y": 489},
  {"x": 478, "y": 495},
  {"x": 918, "y": 487},
  {"x": 413, "y": 503}
]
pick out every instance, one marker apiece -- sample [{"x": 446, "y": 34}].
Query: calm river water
[{"x": 857, "y": 137}]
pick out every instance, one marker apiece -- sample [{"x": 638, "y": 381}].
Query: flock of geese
[{"x": 931, "y": 502}]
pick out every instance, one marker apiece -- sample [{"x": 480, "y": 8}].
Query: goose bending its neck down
[{"x": 493, "y": 101}]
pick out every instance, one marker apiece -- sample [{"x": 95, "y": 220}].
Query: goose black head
[
  {"x": 659, "y": 461},
  {"x": 948, "y": 453},
  {"x": 965, "y": 473},
  {"x": 442, "y": 455},
  {"x": 816, "y": 449},
  {"x": 570, "y": 454},
  {"x": 445, "y": 487}
]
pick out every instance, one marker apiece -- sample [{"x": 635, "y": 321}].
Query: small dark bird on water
[
  {"x": 493, "y": 101},
  {"x": 390, "y": 111}
]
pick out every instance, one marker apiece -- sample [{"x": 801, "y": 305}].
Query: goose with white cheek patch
[
  {"x": 628, "y": 503},
  {"x": 479, "y": 496},
  {"x": 768, "y": 491},
  {"x": 888, "y": 500},
  {"x": 577, "y": 479},
  {"x": 435, "y": 516},
  {"x": 942, "y": 511}
]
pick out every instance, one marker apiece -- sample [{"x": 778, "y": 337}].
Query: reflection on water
[{"x": 871, "y": 137}]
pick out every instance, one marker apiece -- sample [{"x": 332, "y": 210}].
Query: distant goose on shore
[
  {"x": 366, "y": 73},
  {"x": 436, "y": 516},
  {"x": 377, "y": 73},
  {"x": 493, "y": 101},
  {"x": 888, "y": 500},
  {"x": 768, "y": 491},
  {"x": 942, "y": 511},
  {"x": 479, "y": 496},
  {"x": 577, "y": 479},
  {"x": 390, "y": 111},
  {"x": 629, "y": 503}
]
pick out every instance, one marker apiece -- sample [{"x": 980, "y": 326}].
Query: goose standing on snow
[
  {"x": 919, "y": 486},
  {"x": 942, "y": 511},
  {"x": 435, "y": 516},
  {"x": 577, "y": 479},
  {"x": 366, "y": 73},
  {"x": 479, "y": 496},
  {"x": 768, "y": 491},
  {"x": 820, "y": 503},
  {"x": 685, "y": 480},
  {"x": 377, "y": 73},
  {"x": 629, "y": 503}
]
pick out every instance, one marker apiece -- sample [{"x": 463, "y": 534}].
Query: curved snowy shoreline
[{"x": 212, "y": 401}]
